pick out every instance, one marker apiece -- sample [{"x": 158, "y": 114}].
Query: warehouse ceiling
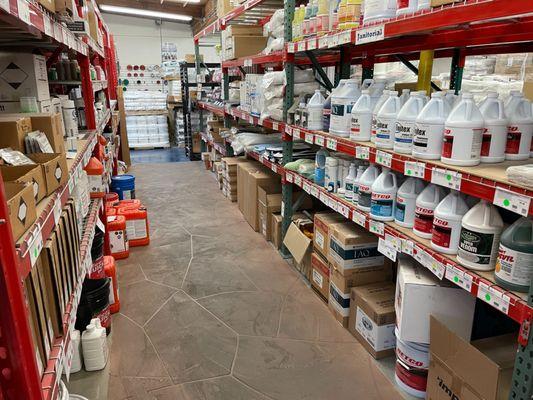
[{"x": 191, "y": 8}]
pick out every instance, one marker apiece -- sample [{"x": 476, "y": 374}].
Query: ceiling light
[{"x": 145, "y": 13}]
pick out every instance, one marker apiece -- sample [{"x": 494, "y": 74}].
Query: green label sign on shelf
[
  {"x": 309, "y": 138},
  {"x": 512, "y": 201},
  {"x": 362, "y": 152},
  {"x": 359, "y": 218},
  {"x": 376, "y": 227},
  {"x": 494, "y": 297},
  {"x": 386, "y": 249},
  {"x": 331, "y": 144},
  {"x": 384, "y": 158},
  {"x": 319, "y": 140},
  {"x": 446, "y": 178},
  {"x": 415, "y": 169},
  {"x": 36, "y": 246},
  {"x": 459, "y": 277}
]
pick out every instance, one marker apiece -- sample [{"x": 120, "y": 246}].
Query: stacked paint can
[{"x": 412, "y": 364}]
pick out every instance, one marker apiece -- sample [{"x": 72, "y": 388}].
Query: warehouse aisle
[{"x": 210, "y": 310}]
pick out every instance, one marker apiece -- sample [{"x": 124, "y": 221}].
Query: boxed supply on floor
[
  {"x": 23, "y": 75},
  {"x": 229, "y": 165},
  {"x": 419, "y": 294},
  {"x": 372, "y": 318},
  {"x": 298, "y": 241},
  {"x": 323, "y": 221},
  {"x": 320, "y": 274},
  {"x": 460, "y": 369},
  {"x": 20, "y": 206},
  {"x": 277, "y": 220},
  {"x": 340, "y": 286},
  {"x": 30, "y": 174}
]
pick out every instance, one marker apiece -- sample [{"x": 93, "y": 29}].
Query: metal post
[
  {"x": 368, "y": 67},
  {"x": 87, "y": 89},
  {"x": 456, "y": 72},
  {"x": 425, "y": 67},
  {"x": 198, "y": 84},
  {"x": 286, "y": 188}
]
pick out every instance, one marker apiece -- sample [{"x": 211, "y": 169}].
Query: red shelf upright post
[
  {"x": 87, "y": 89},
  {"x": 19, "y": 376}
]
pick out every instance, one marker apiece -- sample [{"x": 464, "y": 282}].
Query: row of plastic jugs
[
  {"x": 463, "y": 135},
  {"x": 93, "y": 347}
]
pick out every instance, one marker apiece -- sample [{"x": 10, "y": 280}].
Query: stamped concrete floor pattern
[{"x": 210, "y": 311}]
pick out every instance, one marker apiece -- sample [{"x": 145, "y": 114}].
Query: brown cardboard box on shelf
[
  {"x": 437, "y": 3},
  {"x": 196, "y": 142},
  {"x": 277, "y": 219},
  {"x": 528, "y": 90},
  {"x": 340, "y": 286},
  {"x": 14, "y": 129},
  {"x": 352, "y": 247},
  {"x": 54, "y": 168},
  {"x": 49, "y": 5},
  {"x": 223, "y": 7},
  {"x": 52, "y": 247},
  {"x": 243, "y": 46},
  {"x": 21, "y": 207},
  {"x": 299, "y": 245},
  {"x": 323, "y": 220},
  {"x": 320, "y": 274},
  {"x": 31, "y": 67},
  {"x": 244, "y": 30},
  {"x": 514, "y": 64},
  {"x": 190, "y": 58},
  {"x": 65, "y": 7},
  {"x": 477, "y": 370},
  {"x": 31, "y": 174},
  {"x": 372, "y": 318}
]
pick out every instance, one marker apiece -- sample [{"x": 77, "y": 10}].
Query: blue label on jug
[
  {"x": 320, "y": 174},
  {"x": 399, "y": 212},
  {"x": 382, "y": 208}
]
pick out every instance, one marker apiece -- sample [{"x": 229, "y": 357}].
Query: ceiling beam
[{"x": 194, "y": 10}]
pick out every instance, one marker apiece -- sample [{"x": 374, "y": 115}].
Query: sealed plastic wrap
[
  {"x": 246, "y": 140},
  {"x": 521, "y": 174},
  {"x": 274, "y": 45}
]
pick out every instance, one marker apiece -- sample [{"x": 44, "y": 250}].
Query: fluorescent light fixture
[{"x": 144, "y": 13}]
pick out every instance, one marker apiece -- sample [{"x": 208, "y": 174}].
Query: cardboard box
[
  {"x": 65, "y": 7},
  {"x": 223, "y": 7},
  {"x": 352, "y": 247},
  {"x": 299, "y": 245},
  {"x": 277, "y": 220},
  {"x": 244, "y": 30},
  {"x": 31, "y": 174},
  {"x": 54, "y": 168},
  {"x": 21, "y": 207},
  {"x": 478, "y": 370},
  {"x": 43, "y": 106},
  {"x": 320, "y": 274},
  {"x": 49, "y": 312},
  {"x": 41, "y": 313},
  {"x": 58, "y": 275},
  {"x": 323, "y": 220},
  {"x": 528, "y": 90},
  {"x": 243, "y": 46},
  {"x": 13, "y": 130},
  {"x": 23, "y": 75},
  {"x": 53, "y": 128},
  {"x": 437, "y": 3},
  {"x": 40, "y": 355},
  {"x": 419, "y": 294},
  {"x": 52, "y": 288},
  {"x": 340, "y": 286},
  {"x": 196, "y": 143},
  {"x": 49, "y": 5},
  {"x": 372, "y": 318},
  {"x": 191, "y": 58}
]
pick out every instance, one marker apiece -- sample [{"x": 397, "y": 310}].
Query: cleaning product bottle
[
  {"x": 447, "y": 223},
  {"x": 360, "y": 170},
  {"x": 386, "y": 121},
  {"x": 327, "y": 113},
  {"x": 404, "y": 213},
  {"x": 320, "y": 166},
  {"x": 383, "y": 98},
  {"x": 342, "y": 14},
  {"x": 94, "y": 348},
  {"x": 315, "y": 112},
  {"x": 495, "y": 129},
  {"x": 365, "y": 187},
  {"x": 426, "y": 202},
  {"x": 349, "y": 182},
  {"x": 312, "y": 17},
  {"x": 463, "y": 131},
  {"x": 353, "y": 14},
  {"x": 514, "y": 97},
  {"x": 514, "y": 266},
  {"x": 331, "y": 180},
  {"x": 406, "y": 7},
  {"x": 450, "y": 97},
  {"x": 322, "y": 18},
  {"x": 75, "y": 338},
  {"x": 423, "y": 5},
  {"x": 307, "y": 17},
  {"x": 375, "y": 86},
  {"x": 334, "y": 15},
  {"x": 383, "y": 198},
  {"x": 362, "y": 117},
  {"x": 344, "y": 170},
  {"x": 520, "y": 130},
  {"x": 405, "y": 122},
  {"x": 331, "y": 100},
  {"x": 378, "y": 10},
  {"x": 341, "y": 108},
  {"x": 429, "y": 128},
  {"x": 481, "y": 228},
  {"x": 404, "y": 96}
]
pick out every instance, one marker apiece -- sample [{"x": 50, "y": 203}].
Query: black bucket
[
  {"x": 94, "y": 303},
  {"x": 97, "y": 256}
]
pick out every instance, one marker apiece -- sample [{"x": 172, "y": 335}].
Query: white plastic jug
[
  {"x": 447, "y": 223},
  {"x": 429, "y": 128},
  {"x": 481, "y": 229},
  {"x": 377, "y": 86},
  {"x": 75, "y": 338},
  {"x": 450, "y": 97},
  {"x": 406, "y": 7},
  {"x": 382, "y": 99},
  {"x": 365, "y": 187},
  {"x": 94, "y": 348},
  {"x": 405, "y": 122},
  {"x": 404, "y": 96},
  {"x": 362, "y": 117},
  {"x": 344, "y": 170},
  {"x": 463, "y": 131},
  {"x": 360, "y": 170},
  {"x": 315, "y": 112},
  {"x": 341, "y": 108},
  {"x": 349, "y": 182},
  {"x": 520, "y": 130},
  {"x": 404, "y": 213},
  {"x": 331, "y": 180},
  {"x": 386, "y": 121},
  {"x": 423, "y": 5},
  {"x": 378, "y": 10},
  {"x": 514, "y": 97},
  {"x": 495, "y": 129},
  {"x": 383, "y": 198},
  {"x": 426, "y": 202}
]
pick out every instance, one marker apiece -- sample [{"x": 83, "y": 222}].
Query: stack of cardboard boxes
[
  {"x": 242, "y": 41},
  {"x": 229, "y": 176}
]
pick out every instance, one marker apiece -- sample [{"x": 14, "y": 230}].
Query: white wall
[{"x": 138, "y": 40}]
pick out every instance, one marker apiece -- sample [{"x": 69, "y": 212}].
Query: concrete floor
[{"x": 211, "y": 311}]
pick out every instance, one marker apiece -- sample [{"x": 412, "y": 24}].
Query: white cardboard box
[
  {"x": 420, "y": 294},
  {"x": 23, "y": 75}
]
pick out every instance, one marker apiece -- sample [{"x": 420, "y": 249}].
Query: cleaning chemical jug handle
[
  {"x": 469, "y": 106},
  {"x": 501, "y": 111},
  {"x": 440, "y": 107}
]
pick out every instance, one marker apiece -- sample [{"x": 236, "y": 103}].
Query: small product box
[
  {"x": 31, "y": 174},
  {"x": 320, "y": 274},
  {"x": 54, "y": 167},
  {"x": 23, "y": 75},
  {"x": 323, "y": 221},
  {"x": 20, "y": 206}
]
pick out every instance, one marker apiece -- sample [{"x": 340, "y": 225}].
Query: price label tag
[
  {"x": 307, "y": 187},
  {"x": 248, "y": 62},
  {"x": 407, "y": 247},
  {"x": 459, "y": 277},
  {"x": 4, "y": 4},
  {"x": 376, "y": 227},
  {"x": 436, "y": 267},
  {"x": 323, "y": 42},
  {"x": 359, "y": 218},
  {"x": 420, "y": 255},
  {"x": 512, "y": 201},
  {"x": 310, "y": 138},
  {"x": 315, "y": 191},
  {"x": 36, "y": 246},
  {"x": 57, "y": 210},
  {"x": 384, "y": 158},
  {"x": 394, "y": 241},
  {"x": 290, "y": 47},
  {"x": 333, "y": 40},
  {"x": 319, "y": 140},
  {"x": 416, "y": 169},
  {"x": 288, "y": 130},
  {"x": 275, "y": 126},
  {"x": 343, "y": 210},
  {"x": 449, "y": 179},
  {"x": 386, "y": 249},
  {"x": 295, "y": 132},
  {"x": 301, "y": 45},
  {"x": 48, "y": 26},
  {"x": 288, "y": 177},
  {"x": 362, "y": 152},
  {"x": 311, "y": 44},
  {"x": 251, "y": 119},
  {"x": 332, "y": 204},
  {"x": 274, "y": 168},
  {"x": 331, "y": 144},
  {"x": 24, "y": 11},
  {"x": 71, "y": 184},
  {"x": 345, "y": 37},
  {"x": 298, "y": 180},
  {"x": 493, "y": 297}
]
